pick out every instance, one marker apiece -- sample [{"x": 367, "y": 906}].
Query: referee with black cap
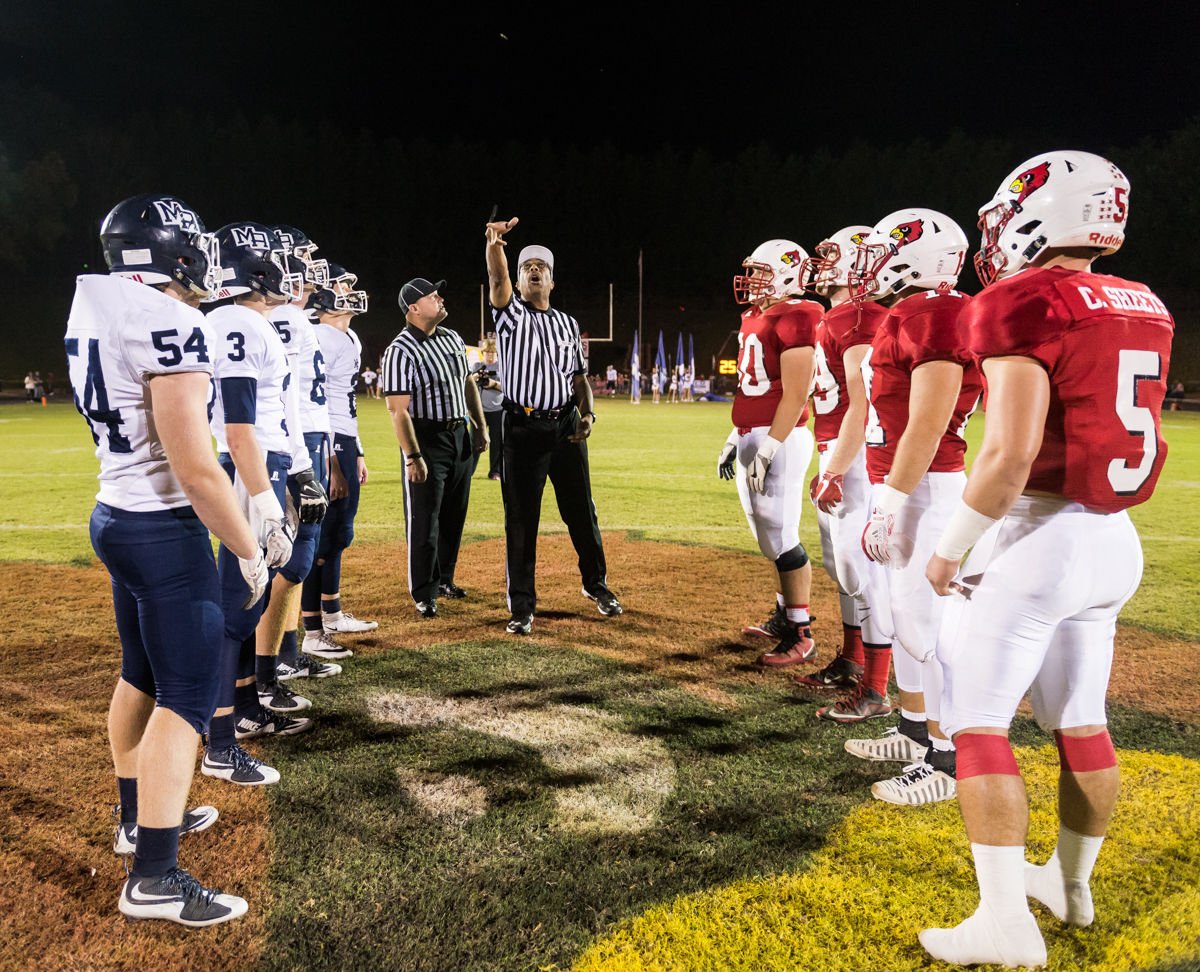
[
  {"x": 548, "y": 418},
  {"x": 429, "y": 397}
]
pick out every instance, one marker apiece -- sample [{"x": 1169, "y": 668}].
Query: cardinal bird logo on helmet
[
  {"x": 857, "y": 238},
  {"x": 908, "y": 232},
  {"x": 1029, "y": 181},
  {"x": 791, "y": 258}
]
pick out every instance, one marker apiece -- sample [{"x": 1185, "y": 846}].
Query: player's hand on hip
[
  {"x": 495, "y": 231},
  {"x": 314, "y": 501},
  {"x": 760, "y": 465},
  {"x": 826, "y": 492},
  {"x": 256, "y": 576},
  {"x": 416, "y": 469},
  {"x": 727, "y": 457},
  {"x": 940, "y": 573}
]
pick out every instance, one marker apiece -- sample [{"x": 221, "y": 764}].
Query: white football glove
[
  {"x": 257, "y": 578},
  {"x": 267, "y": 521},
  {"x": 877, "y": 541},
  {"x": 760, "y": 465},
  {"x": 727, "y": 457}
]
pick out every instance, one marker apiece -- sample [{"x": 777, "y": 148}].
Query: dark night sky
[
  {"x": 1035, "y": 75},
  {"x": 1080, "y": 74}
]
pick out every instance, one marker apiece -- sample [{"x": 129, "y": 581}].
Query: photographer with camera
[{"x": 492, "y": 394}]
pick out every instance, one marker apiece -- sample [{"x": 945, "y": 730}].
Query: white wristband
[
  {"x": 768, "y": 448},
  {"x": 963, "y": 531},
  {"x": 266, "y": 505},
  {"x": 888, "y": 499}
]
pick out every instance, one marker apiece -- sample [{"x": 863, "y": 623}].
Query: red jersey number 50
[{"x": 752, "y": 373}]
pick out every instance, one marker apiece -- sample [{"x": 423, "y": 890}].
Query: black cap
[{"x": 417, "y": 288}]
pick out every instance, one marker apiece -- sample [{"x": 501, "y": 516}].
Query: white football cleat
[
  {"x": 346, "y": 623},
  {"x": 919, "y": 784},
  {"x": 892, "y": 747}
]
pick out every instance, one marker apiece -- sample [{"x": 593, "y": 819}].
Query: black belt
[
  {"x": 434, "y": 424},
  {"x": 536, "y": 413}
]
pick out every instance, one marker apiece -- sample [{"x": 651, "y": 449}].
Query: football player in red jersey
[
  {"x": 922, "y": 386},
  {"x": 841, "y": 491},
  {"x": 1075, "y": 364},
  {"x": 770, "y": 446}
]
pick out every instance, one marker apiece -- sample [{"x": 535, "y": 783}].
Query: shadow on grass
[{"x": 376, "y": 878}]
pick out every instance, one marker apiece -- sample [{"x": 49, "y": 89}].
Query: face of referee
[
  {"x": 534, "y": 282},
  {"x": 427, "y": 313}
]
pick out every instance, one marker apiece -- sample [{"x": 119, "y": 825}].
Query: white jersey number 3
[
  {"x": 752, "y": 373},
  {"x": 1133, "y": 367}
]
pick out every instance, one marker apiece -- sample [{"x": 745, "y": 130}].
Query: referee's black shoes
[
  {"x": 606, "y": 601},
  {"x": 427, "y": 609},
  {"x": 451, "y": 590},
  {"x": 520, "y": 624}
]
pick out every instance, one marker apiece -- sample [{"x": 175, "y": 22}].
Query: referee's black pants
[
  {"x": 533, "y": 450},
  {"x": 435, "y": 510}
]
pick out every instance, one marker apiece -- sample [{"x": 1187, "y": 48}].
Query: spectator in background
[
  {"x": 655, "y": 385},
  {"x": 610, "y": 383},
  {"x": 370, "y": 380},
  {"x": 486, "y": 376},
  {"x": 1176, "y": 395},
  {"x": 30, "y": 385}
]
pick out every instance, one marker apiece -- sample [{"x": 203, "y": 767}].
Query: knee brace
[
  {"x": 792, "y": 559},
  {"x": 1085, "y": 754},
  {"x": 983, "y": 754}
]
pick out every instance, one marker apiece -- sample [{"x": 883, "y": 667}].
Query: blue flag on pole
[
  {"x": 692, "y": 355},
  {"x": 679, "y": 356},
  {"x": 661, "y": 361},
  {"x": 635, "y": 378}
]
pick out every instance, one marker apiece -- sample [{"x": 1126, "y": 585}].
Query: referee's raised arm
[{"x": 499, "y": 285}]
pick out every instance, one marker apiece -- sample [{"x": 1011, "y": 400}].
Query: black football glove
[{"x": 313, "y": 499}]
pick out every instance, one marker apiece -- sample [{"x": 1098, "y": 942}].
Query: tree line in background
[{"x": 391, "y": 208}]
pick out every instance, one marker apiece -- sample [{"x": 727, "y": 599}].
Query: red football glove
[{"x": 826, "y": 492}]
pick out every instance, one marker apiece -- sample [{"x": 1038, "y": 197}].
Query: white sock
[
  {"x": 797, "y": 614},
  {"x": 941, "y": 745},
  {"x": 1061, "y": 884},
  {"x": 1001, "y": 875},
  {"x": 912, "y": 716},
  {"x": 331, "y": 616}
]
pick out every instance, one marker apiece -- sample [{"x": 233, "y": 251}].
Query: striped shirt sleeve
[
  {"x": 508, "y": 317},
  {"x": 397, "y": 375}
]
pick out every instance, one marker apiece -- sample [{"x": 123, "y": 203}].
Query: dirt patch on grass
[
  {"x": 59, "y": 879},
  {"x": 451, "y": 799}
]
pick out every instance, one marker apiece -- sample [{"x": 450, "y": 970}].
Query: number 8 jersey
[
  {"x": 1106, "y": 346},
  {"x": 121, "y": 334},
  {"x": 764, "y": 336}
]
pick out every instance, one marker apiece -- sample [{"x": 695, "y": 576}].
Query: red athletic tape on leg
[
  {"x": 982, "y": 754},
  {"x": 1085, "y": 754}
]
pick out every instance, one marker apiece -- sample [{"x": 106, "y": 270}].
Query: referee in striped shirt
[
  {"x": 548, "y": 418},
  {"x": 429, "y": 397}
]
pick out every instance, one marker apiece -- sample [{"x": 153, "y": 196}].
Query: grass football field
[{"x": 606, "y": 794}]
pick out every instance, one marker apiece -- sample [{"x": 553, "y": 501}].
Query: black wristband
[
  {"x": 592, "y": 414},
  {"x": 414, "y": 457}
]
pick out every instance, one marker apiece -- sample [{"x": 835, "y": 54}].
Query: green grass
[
  {"x": 370, "y": 872},
  {"x": 653, "y": 470}
]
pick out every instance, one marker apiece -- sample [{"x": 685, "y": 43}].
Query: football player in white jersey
[
  {"x": 320, "y": 601},
  {"x": 140, "y": 357},
  {"x": 276, "y": 635},
  {"x": 257, "y": 448}
]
